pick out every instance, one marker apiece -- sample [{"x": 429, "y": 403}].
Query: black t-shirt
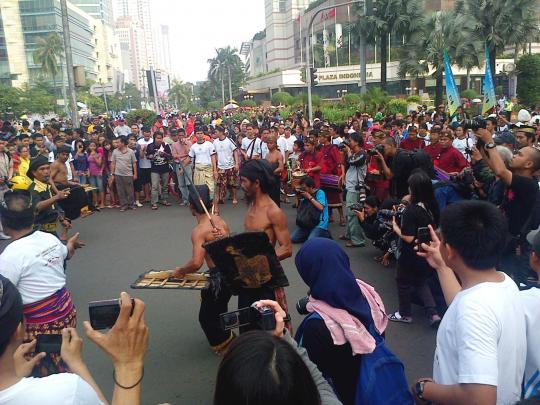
[
  {"x": 336, "y": 363},
  {"x": 402, "y": 165},
  {"x": 521, "y": 200},
  {"x": 414, "y": 217},
  {"x": 161, "y": 156}
]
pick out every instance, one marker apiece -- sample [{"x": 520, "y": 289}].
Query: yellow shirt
[{"x": 23, "y": 166}]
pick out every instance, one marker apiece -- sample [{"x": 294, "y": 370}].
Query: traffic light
[{"x": 314, "y": 76}]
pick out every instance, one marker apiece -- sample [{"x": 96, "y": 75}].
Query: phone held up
[
  {"x": 48, "y": 343},
  {"x": 103, "y": 314},
  {"x": 423, "y": 236}
]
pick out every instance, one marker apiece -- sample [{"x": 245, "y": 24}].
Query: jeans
[
  {"x": 159, "y": 186},
  {"x": 300, "y": 235},
  {"x": 82, "y": 179},
  {"x": 97, "y": 182},
  {"x": 181, "y": 172},
  {"x": 354, "y": 230}
]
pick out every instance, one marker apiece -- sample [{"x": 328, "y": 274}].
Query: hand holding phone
[
  {"x": 423, "y": 236},
  {"x": 48, "y": 343}
]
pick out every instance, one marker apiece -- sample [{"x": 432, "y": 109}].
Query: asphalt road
[{"x": 179, "y": 366}]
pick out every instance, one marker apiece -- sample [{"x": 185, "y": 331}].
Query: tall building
[
  {"x": 99, "y": 9},
  {"x": 163, "y": 47},
  {"x": 133, "y": 49}
]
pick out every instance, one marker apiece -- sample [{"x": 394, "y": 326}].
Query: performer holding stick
[{"x": 215, "y": 296}]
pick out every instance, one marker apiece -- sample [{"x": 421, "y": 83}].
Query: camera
[
  {"x": 263, "y": 318},
  {"x": 475, "y": 124},
  {"x": 345, "y": 143},
  {"x": 377, "y": 148},
  {"x": 389, "y": 214},
  {"x": 466, "y": 177},
  {"x": 103, "y": 314},
  {"x": 359, "y": 206},
  {"x": 301, "y": 305}
]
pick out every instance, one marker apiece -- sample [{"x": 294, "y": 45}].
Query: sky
[{"x": 198, "y": 27}]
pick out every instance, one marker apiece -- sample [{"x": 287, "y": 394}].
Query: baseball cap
[
  {"x": 505, "y": 137},
  {"x": 533, "y": 237}
]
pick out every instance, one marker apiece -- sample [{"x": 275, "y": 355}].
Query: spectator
[
  {"x": 413, "y": 272},
  {"x": 463, "y": 142},
  {"x": 312, "y": 196},
  {"x": 262, "y": 368},
  {"x": 434, "y": 147},
  {"x": 412, "y": 142},
  {"x": 204, "y": 159},
  {"x": 122, "y": 129},
  {"x": 160, "y": 155},
  {"x": 525, "y": 136},
  {"x": 481, "y": 342},
  {"x": 449, "y": 159},
  {"x": 145, "y": 165},
  {"x": 124, "y": 172},
  {"x": 331, "y": 161},
  {"x": 125, "y": 344},
  {"x": 95, "y": 171},
  {"x": 180, "y": 151}
]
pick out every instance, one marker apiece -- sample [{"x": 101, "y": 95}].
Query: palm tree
[
  {"x": 180, "y": 92},
  {"x": 502, "y": 22},
  {"x": 216, "y": 71},
  {"x": 231, "y": 61},
  {"x": 390, "y": 17},
  {"x": 48, "y": 52}
]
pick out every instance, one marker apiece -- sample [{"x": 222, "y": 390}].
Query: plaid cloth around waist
[{"x": 57, "y": 306}]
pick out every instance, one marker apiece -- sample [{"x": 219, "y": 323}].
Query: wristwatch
[
  {"x": 419, "y": 388},
  {"x": 490, "y": 145}
]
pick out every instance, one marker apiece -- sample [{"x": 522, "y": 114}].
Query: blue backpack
[{"x": 381, "y": 380}]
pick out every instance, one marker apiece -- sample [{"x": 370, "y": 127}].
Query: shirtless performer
[
  {"x": 275, "y": 158},
  {"x": 215, "y": 296},
  {"x": 256, "y": 179}
]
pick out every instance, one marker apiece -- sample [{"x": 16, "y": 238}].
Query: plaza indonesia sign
[{"x": 342, "y": 74}]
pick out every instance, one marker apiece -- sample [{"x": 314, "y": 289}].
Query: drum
[
  {"x": 297, "y": 178},
  {"x": 75, "y": 203},
  {"x": 330, "y": 181}
]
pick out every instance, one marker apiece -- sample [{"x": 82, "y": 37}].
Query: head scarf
[
  {"x": 325, "y": 268},
  {"x": 11, "y": 310}
]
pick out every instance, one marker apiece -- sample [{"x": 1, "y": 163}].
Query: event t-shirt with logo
[
  {"x": 65, "y": 388},
  {"x": 225, "y": 153},
  {"x": 35, "y": 264},
  {"x": 201, "y": 153},
  {"x": 144, "y": 162},
  {"x": 531, "y": 303},
  {"x": 482, "y": 340},
  {"x": 252, "y": 147}
]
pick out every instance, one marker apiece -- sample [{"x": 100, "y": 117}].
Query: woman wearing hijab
[{"x": 347, "y": 309}]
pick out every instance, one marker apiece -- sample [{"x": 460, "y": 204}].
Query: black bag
[{"x": 308, "y": 216}]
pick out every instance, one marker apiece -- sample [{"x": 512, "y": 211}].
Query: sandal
[
  {"x": 154, "y": 206},
  {"x": 396, "y": 317},
  {"x": 235, "y": 202},
  {"x": 165, "y": 203},
  {"x": 350, "y": 245}
]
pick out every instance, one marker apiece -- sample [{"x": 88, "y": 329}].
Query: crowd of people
[{"x": 453, "y": 205}]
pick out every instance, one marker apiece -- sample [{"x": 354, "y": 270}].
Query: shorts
[
  {"x": 228, "y": 177},
  {"x": 97, "y": 182},
  {"x": 144, "y": 176}
]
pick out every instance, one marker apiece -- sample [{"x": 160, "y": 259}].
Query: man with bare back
[
  {"x": 215, "y": 296},
  {"x": 275, "y": 158},
  {"x": 257, "y": 180},
  {"x": 59, "y": 168}
]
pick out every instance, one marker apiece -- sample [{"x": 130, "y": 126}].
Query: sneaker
[
  {"x": 138, "y": 204},
  {"x": 3, "y": 236},
  {"x": 396, "y": 317},
  {"x": 434, "y": 320}
]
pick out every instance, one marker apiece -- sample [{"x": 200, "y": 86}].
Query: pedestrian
[
  {"x": 124, "y": 172},
  {"x": 183, "y": 167},
  {"x": 144, "y": 163},
  {"x": 203, "y": 155},
  {"x": 227, "y": 165},
  {"x": 160, "y": 155}
]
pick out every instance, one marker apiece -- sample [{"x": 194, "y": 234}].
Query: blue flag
[
  {"x": 489, "y": 89},
  {"x": 452, "y": 93}
]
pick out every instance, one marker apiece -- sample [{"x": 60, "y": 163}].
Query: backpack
[
  {"x": 308, "y": 216},
  {"x": 381, "y": 379}
]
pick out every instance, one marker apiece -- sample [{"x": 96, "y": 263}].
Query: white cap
[{"x": 524, "y": 116}]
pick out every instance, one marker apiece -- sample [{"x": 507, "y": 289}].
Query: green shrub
[
  {"x": 248, "y": 103},
  {"x": 470, "y": 94},
  {"x": 282, "y": 98},
  {"x": 148, "y": 117},
  {"x": 414, "y": 99},
  {"x": 528, "y": 85},
  {"x": 214, "y": 105},
  {"x": 352, "y": 99},
  {"x": 397, "y": 105}
]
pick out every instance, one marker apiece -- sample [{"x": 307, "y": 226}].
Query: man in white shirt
[
  {"x": 530, "y": 297},
  {"x": 227, "y": 165},
  {"x": 145, "y": 165},
  {"x": 122, "y": 129},
  {"x": 290, "y": 139},
  {"x": 251, "y": 145},
  {"x": 336, "y": 139},
  {"x": 481, "y": 343},
  {"x": 203, "y": 154}
]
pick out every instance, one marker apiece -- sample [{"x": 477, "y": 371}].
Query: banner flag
[
  {"x": 489, "y": 90},
  {"x": 452, "y": 93}
]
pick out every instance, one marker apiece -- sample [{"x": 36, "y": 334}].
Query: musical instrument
[
  {"x": 88, "y": 187},
  {"x": 163, "y": 280},
  {"x": 297, "y": 177},
  {"x": 247, "y": 261},
  {"x": 76, "y": 203},
  {"x": 330, "y": 181}
]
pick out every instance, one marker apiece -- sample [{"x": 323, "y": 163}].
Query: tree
[
  {"x": 226, "y": 63},
  {"x": 231, "y": 60},
  {"x": 180, "y": 93},
  {"x": 390, "y": 17},
  {"x": 217, "y": 67},
  {"x": 48, "y": 52},
  {"x": 282, "y": 98},
  {"x": 375, "y": 98},
  {"x": 528, "y": 87},
  {"x": 501, "y": 22}
]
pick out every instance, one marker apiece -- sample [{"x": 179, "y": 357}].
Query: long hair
[
  {"x": 261, "y": 369},
  {"x": 422, "y": 192}
]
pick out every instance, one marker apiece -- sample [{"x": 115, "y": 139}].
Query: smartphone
[
  {"x": 423, "y": 236},
  {"x": 103, "y": 314},
  {"x": 48, "y": 343},
  {"x": 235, "y": 319}
]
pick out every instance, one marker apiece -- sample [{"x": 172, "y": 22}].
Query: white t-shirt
[
  {"x": 144, "y": 162},
  {"x": 250, "y": 145},
  {"x": 202, "y": 152},
  {"x": 56, "y": 389},
  {"x": 122, "y": 130},
  {"x": 264, "y": 150},
  {"x": 337, "y": 141},
  {"x": 35, "y": 264},
  {"x": 290, "y": 142},
  {"x": 481, "y": 340},
  {"x": 531, "y": 305},
  {"x": 462, "y": 144},
  {"x": 225, "y": 153},
  {"x": 282, "y": 146}
]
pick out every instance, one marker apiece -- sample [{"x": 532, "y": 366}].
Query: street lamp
[
  {"x": 411, "y": 90},
  {"x": 342, "y": 93},
  {"x": 308, "y": 57}
]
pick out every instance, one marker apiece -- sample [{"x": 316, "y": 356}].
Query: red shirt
[
  {"x": 451, "y": 160},
  {"x": 309, "y": 161},
  {"x": 409, "y": 144},
  {"x": 433, "y": 151},
  {"x": 330, "y": 158}
]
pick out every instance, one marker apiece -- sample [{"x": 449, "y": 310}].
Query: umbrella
[
  {"x": 230, "y": 106},
  {"x": 81, "y": 105},
  {"x": 476, "y": 100}
]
